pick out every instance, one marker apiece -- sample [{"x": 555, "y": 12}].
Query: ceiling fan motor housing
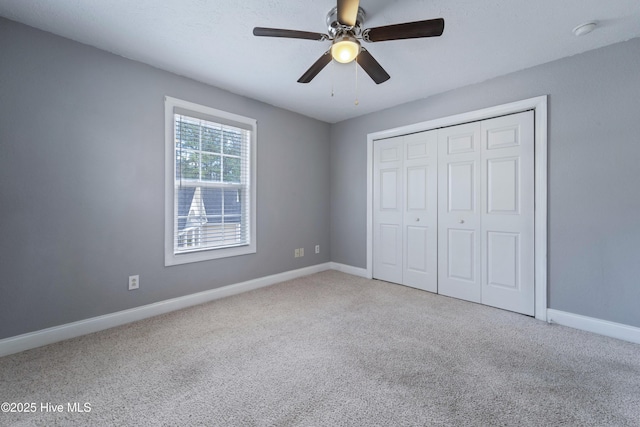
[{"x": 335, "y": 28}]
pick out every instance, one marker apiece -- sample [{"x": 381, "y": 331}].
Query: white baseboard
[
  {"x": 71, "y": 330},
  {"x": 362, "y": 272},
  {"x": 598, "y": 326}
]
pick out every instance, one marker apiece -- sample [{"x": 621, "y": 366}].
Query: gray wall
[
  {"x": 82, "y": 184},
  {"x": 593, "y": 174}
]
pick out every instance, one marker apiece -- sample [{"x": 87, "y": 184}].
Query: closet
[{"x": 453, "y": 211}]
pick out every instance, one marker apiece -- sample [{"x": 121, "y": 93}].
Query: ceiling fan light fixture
[{"x": 345, "y": 48}]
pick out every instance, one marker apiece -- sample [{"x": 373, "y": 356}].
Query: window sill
[{"x": 206, "y": 255}]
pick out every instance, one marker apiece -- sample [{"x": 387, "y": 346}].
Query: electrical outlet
[
  {"x": 301, "y": 252},
  {"x": 317, "y": 249},
  {"x": 134, "y": 282},
  {"x": 296, "y": 253}
]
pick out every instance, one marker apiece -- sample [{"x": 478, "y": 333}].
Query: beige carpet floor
[{"x": 330, "y": 350}]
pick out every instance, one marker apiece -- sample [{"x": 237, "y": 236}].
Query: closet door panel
[
  {"x": 420, "y": 214},
  {"x": 508, "y": 213},
  {"x": 458, "y": 212},
  {"x": 388, "y": 207}
]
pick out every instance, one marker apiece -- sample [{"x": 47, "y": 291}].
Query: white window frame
[{"x": 170, "y": 257}]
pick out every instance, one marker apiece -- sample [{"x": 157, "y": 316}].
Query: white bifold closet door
[
  {"x": 486, "y": 212},
  {"x": 508, "y": 258},
  {"x": 405, "y": 210},
  {"x": 459, "y": 212}
]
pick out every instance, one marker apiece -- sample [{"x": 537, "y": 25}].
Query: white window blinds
[{"x": 212, "y": 186}]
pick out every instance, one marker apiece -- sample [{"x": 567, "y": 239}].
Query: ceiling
[{"x": 211, "y": 41}]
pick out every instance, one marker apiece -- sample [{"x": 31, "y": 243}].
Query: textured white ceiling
[{"x": 211, "y": 41}]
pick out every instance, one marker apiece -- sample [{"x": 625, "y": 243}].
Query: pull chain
[
  {"x": 332, "y": 74},
  {"x": 356, "y": 102}
]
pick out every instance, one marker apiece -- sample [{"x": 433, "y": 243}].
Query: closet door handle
[
  {"x": 417, "y": 219},
  {"x": 461, "y": 221}
]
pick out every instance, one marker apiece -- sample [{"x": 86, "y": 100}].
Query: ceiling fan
[{"x": 345, "y": 32}]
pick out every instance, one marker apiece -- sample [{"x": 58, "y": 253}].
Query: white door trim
[{"x": 539, "y": 105}]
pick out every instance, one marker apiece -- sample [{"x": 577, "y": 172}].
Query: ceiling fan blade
[
  {"x": 316, "y": 67},
  {"x": 292, "y": 34},
  {"x": 348, "y": 12},
  {"x": 372, "y": 67},
  {"x": 408, "y": 30}
]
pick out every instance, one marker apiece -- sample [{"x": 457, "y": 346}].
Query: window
[{"x": 209, "y": 183}]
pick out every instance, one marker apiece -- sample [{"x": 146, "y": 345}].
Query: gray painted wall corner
[
  {"x": 594, "y": 240},
  {"x": 82, "y": 184}
]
